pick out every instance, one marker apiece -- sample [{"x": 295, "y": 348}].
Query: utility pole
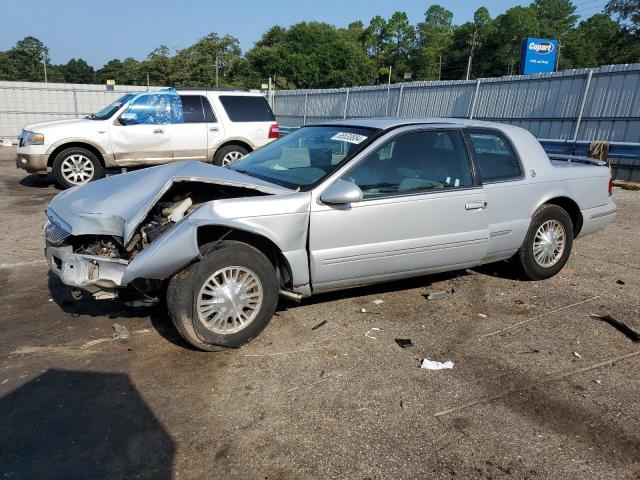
[
  {"x": 386, "y": 110},
  {"x": 217, "y": 70},
  {"x": 147, "y": 81},
  {"x": 44, "y": 61},
  {"x": 440, "y": 69},
  {"x": 474, "y": 44}
]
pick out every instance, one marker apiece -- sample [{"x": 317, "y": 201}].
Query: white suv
[{"x": 217, "y": 126}]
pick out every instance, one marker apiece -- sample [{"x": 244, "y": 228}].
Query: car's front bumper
[
  {"x": 87, "y": 272},
  {"x": 32, "y": 162}
]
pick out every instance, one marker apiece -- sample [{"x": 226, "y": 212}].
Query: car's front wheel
[
  {"x": 76, "y": 166},
  {"x": 548, "y": 243},
  {"x": 226, "y": 299}
]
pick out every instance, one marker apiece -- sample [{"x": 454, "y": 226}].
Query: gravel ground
[{"x": 539, "y": 388}]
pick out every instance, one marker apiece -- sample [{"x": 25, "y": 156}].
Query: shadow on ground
[{"x": 67, "y": 424}]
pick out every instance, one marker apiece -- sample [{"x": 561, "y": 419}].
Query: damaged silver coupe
[{"x": 327, "y": 207}]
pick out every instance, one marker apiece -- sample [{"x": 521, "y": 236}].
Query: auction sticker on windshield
[{"x": 349, "y": 137}]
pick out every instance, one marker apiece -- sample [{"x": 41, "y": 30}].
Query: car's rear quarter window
[
  {"x": 247, "y": 108},
  {"x": 495, "y": 156}
]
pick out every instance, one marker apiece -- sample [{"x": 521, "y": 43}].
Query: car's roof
[
  {"x": 220, "y": 91},
  {"x": 385, "y": 123}
]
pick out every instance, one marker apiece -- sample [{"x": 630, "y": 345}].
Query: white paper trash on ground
[{"x": 433, "y": 365}]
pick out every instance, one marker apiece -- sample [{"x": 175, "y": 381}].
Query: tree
[
  {"x": 628, "y": 12},
  {"x": 77, "y": 71},
  {"x": 376, "y": 43},
  {"x": 434, "y": 38},
  {"x": 310, "y": 55},
  {"x": 401, "y": 45},
  {"x": 27, "y": 58}
]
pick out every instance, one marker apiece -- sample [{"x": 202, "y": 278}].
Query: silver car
[{"x": 327, "y": 207}]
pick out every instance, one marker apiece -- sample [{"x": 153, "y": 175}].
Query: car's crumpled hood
[{"x": 116, "y": 205}]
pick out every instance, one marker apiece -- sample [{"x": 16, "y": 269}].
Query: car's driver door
[{"x": 422, "y": 211}]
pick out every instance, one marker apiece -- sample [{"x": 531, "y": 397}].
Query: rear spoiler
[{"x": 577, "y": 159}]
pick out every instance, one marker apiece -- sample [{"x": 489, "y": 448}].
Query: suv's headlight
[{"x": 32, "y": 138}]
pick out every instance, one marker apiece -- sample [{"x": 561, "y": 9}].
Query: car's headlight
[{"x": 32, "y": 138}]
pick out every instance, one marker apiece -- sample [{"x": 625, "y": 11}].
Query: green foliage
[{"x": 319, "y": 55}]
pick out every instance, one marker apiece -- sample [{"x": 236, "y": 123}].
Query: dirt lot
[{"x": 534, "y": 392}]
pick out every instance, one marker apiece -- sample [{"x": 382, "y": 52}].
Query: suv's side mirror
[
  {"x": 128, "y": 118},
  {"x": 341, "y": 192}
]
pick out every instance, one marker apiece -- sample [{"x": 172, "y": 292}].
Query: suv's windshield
[
  {"x": 303, "y": 158},
  {"x": 109, "y": 110}
]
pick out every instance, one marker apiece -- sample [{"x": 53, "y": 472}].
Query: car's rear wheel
[
  {"x": 229, "y": 155},
  {"x": 226, "y": 299},
  {"x": 548, "y": 243},
  {"x": 76, "y": 166}
]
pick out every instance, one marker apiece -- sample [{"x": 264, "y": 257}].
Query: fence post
[
  {"x": 304, "y": 117},
  {"x": 582, "y": 104},
  {"x": 400, "y": 99},
  {"x": 75, "y": 101},
  {"x": 346, "y": 105},
  {"x": 475, "y": 98}
]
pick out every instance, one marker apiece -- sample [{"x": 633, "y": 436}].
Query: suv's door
[
  {"x": 215, "y": 129},
  {"x": 189, "y": 139},
  {"x": 423, "y": 210},
  {"x": 140, "y": 136}
]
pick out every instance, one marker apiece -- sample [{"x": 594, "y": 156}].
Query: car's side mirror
[
  {"x": 341, "y": 193},
  {"x": 128, "y": 118}
]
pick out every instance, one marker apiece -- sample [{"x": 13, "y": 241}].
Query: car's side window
[
  {"x": 209, "y": 116},
  {"x": 192, "y": 108},
  {"x": 495, "y": 157},
  {"x": 413, "y": 163},
  {"x": 154, "y": 109}
]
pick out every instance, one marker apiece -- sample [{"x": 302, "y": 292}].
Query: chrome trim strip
[{"x": 603, "y": 214}]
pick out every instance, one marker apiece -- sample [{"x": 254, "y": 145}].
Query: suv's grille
[{"x": 54, "y": 233}]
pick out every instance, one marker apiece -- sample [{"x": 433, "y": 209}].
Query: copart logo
[{"x": 542, "y": 48}]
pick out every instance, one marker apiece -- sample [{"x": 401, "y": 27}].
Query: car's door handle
[
  {"x": 214, "y": 129},
  {"x": 158, "y": 130},
  {"x": 476, "y": 205}
]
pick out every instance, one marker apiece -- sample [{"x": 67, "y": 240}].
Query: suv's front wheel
[
  {"x": 226, "y": 299},
  {"x": 76, "y": 166}
]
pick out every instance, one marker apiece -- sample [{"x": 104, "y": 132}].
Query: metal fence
[
  {"x": 22, "y": 103},
  {"x": 587, "y": 104}
]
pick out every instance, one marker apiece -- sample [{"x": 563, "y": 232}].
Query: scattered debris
[
  {"x": 374, "y": 329},
  {"x": 404, "y": 342},
  {"x": 537, "y": 317},
  {"x": 120, "y": 331},
  {"x": 434, "y": 365},
  {"x": 482, "y": 315},
  {"x": 553, "y": 378},
  {"x": 378, "y": 301},
  {"x": 321, "y": 324},
  {"x": 6, "y": 380},
  {"x": 577, "y": 355},
  {"x": 621, "y": 327},
  {"x": 521, "y": 302},
  {"x": 620, "y": 281},
  {"x": 363, "y": 310},
  {"x": 598, "y": 381},
  {"x": 51, "y": 299},
  {"x": 142, "y": 302},
  {"x": 439, "y": 295}
]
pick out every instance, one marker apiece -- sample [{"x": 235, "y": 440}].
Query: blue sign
[{"x": 538, "y": 55}]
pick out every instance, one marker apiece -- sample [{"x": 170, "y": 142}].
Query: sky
[{"x": 101, "y": 30}]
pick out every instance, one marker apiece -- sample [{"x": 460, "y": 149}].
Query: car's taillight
[
  {"x": 274, "y": 131},
  {"x": 610, "y": 186}
]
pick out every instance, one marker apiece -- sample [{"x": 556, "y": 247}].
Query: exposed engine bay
[{"x": 180, "y": 200}]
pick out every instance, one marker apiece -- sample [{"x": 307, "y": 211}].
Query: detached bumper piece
[{"x": 99, "y": 276}]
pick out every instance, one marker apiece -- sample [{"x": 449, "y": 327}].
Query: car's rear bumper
[
  {"x": 32, "y": 162},
  {"x": 594, "y": 219},
  {"x": 87, "y": 272}
]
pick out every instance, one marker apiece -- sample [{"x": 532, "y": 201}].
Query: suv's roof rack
[{"x": 216, "y": 89}]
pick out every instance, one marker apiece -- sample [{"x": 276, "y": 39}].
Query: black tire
[
  {"x": 525, "y": 258},
  {"x": 61, "y": 180},
  {"x": 184, "y": 286},
  {"x": 218, "y": 158}
]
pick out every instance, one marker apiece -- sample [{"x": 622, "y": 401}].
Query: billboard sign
[{"x": 538, "y": 55}]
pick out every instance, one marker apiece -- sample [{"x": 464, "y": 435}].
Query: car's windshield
[
  {"x": 109, "y": 110},
  {"x": 305, "y": 157}
]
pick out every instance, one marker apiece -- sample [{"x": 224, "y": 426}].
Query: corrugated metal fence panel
[
  {"x": 22, "y": 103},
  {"x": 548, "y": 104},
  {"x": 437, "y": 99}
]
